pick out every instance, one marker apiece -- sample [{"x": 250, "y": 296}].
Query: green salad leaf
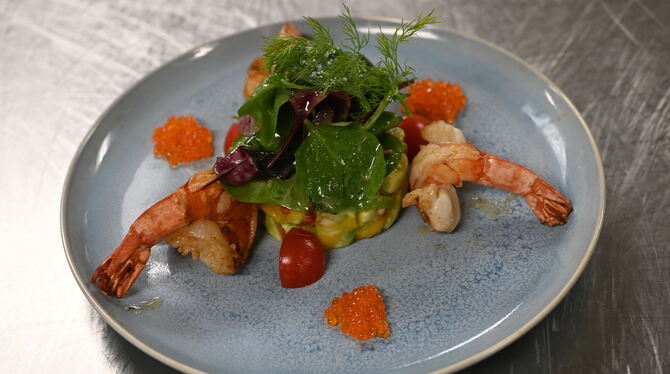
[
  {"x": 289, "y": 193},
  {"x": 386, "y": 121},
  {"x": 264, "y": 107},
  {"x": 342, "y": 167},
  {"x": 396, "y": 146}
]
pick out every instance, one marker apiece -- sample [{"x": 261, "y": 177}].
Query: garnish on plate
[
  {"x": 360, "y": 313},
  {"x": 436, "y": 100},
  {"x": 182, "y": 139},
  {"x": 320, "y": 117}
]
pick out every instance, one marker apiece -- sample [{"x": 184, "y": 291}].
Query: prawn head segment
[
  {"x": 437, "y": 203},
  {"x": 454, "y": 163}
]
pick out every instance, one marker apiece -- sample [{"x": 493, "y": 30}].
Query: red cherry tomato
[
  {"x": 412, "y": 126},
  {"x": 302, "y": 259},
  {"x": 233, "y": 133}
]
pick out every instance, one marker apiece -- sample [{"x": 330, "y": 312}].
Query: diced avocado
[
  {"x": 366, "y": 215},
  {"x": 336, "y": 230},
  {"x": 394, "y": 210},
  {"x": 283, "y": 216},
  {"x": 397, "y": 178},
  {"x": 394, "y": 147},
  {"x": 371, "y": 228},
  {"x": 273, "y": 228},
  {"x": 397, "y": 132}
]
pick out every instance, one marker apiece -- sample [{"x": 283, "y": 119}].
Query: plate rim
[{"x": 82, "y": 282}]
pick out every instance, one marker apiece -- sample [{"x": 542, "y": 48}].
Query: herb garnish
[
  {"x": 318, "y": 64},
  {"x": 324, "y": 104}
]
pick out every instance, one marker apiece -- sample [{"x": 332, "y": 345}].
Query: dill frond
[
  {"x": 356, "y": 40},
  {"x": 388, "y": 46},
  {"x": 319, "y": 64},
  {"x": 319, "y": 32}
]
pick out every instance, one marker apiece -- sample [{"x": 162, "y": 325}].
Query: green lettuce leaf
[
  {"x": 391, "y": 142},
  {"x": 289, "y": 193},
  {"x": 264, "y": 107},
  {"x": 341, "y": 167},
  {"x": 386, "y": 121}
]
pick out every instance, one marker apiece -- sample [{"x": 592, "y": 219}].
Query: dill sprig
[
  {"x": 388, "y": 47},
  {"x": 355, "y": 39},
  {"x": 317, "y": 63}
]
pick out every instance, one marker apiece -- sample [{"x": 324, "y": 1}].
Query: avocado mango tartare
[{"x": 336, "y": 230}]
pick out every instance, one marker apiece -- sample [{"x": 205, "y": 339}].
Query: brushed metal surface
[{"x": 63, "y": 62}]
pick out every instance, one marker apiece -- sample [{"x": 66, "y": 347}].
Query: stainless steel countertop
[{"x": 63, "y": 62}]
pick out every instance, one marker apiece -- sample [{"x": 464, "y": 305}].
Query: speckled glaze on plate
[{"x": 452, "y": 299}]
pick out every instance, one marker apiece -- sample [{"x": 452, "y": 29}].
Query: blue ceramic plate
[{"x": 452, "y": 299}]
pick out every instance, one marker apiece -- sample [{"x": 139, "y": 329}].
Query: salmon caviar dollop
[
  {"x": 360, "y": 313},
  {"x": 181, "y": 139},
  {"x": 437, "y": 100}
]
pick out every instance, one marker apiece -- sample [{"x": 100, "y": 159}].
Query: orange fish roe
[
  {"x": 181, "y": 139},
  {"x": 437, "y": 100},
  {"x": 361, "y": 313}
]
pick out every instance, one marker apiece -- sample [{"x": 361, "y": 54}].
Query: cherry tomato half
[
  {"x": 233, "y": 133},
  {"x": 302, "y": 259},
  {"x": 412, "y": 126}
]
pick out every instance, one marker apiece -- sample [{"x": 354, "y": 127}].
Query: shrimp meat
[
  {"x": 438, "y": 204},
  {"x": 454, "y": 163},
  {"x": 201, "y": 202}
]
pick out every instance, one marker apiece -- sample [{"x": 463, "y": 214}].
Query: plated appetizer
[{"x": 315, "y": 149}]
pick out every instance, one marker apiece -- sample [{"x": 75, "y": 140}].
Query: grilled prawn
[
  {"x": 451, "y": 163},
  {"x": 200, "y": 218},
  {"x": 438, "y": 203}
]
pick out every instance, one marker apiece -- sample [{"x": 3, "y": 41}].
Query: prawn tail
[
  {"x": 548, "y": 205},
  {"x": 116, "y": 275}
]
